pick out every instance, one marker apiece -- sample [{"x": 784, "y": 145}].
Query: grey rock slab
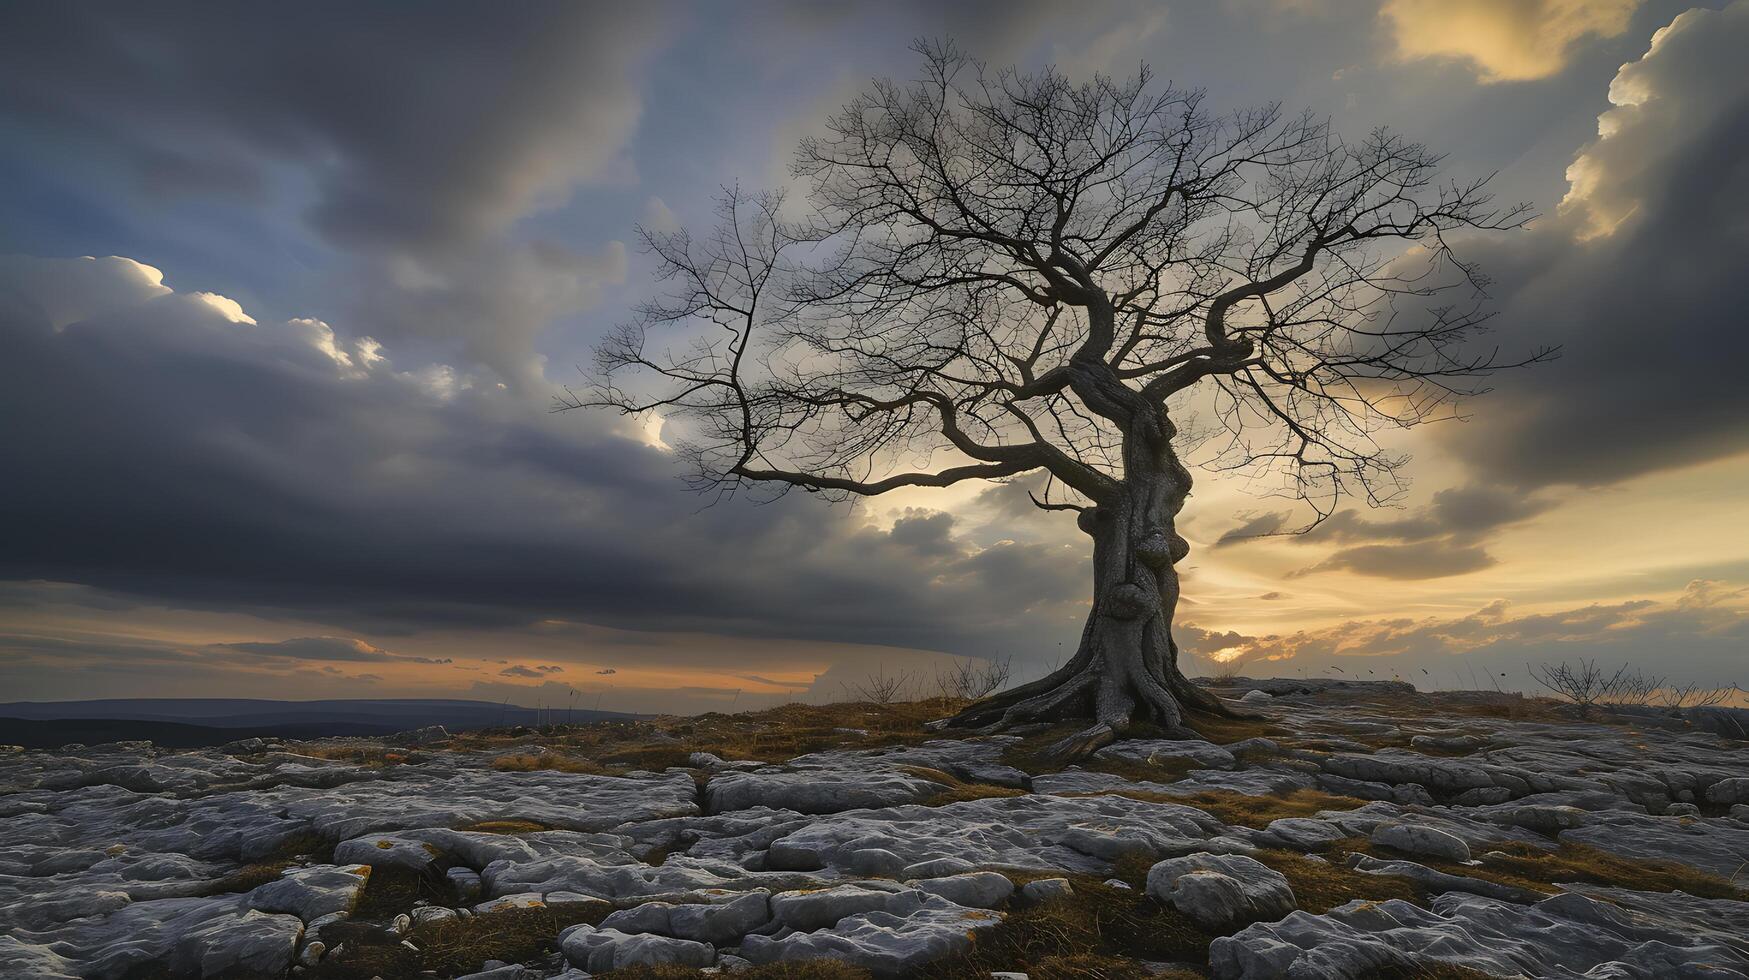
[
  {"x": 937, "y": 868},
  {"x": 719, "y": 923},
  {"x": 388, "y": 851},
  {"x": 1718, "y": 846},
  {"x": 1038, "y": 832},
  {"x": 1298, "y": 834},
  {"x": 1726, "y": 791},
  {"x": 598, "y": 950},
  {"x": 817, "y": 792},
  {"x": 1438, "y": 881},
  {"x": 896, "y": 943},
  {"x": 1160, "y": 752},
  {"x": 806, "y": 911},
  {"x": 1424, "y": 841},
  {"x": 977, "y": 890},
  {"x": 311, "y": 893},
  {"x": 254, "y": 944},
  {"x": 1568, "y": 935},
  {"x": 519, "y": 900},
  {"x": 21, "y": 959}
]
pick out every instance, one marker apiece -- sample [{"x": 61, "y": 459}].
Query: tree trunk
[{"x": 1125, "y": 669}]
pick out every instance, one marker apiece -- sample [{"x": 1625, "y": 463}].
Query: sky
[{"x": 287, "y": 291}]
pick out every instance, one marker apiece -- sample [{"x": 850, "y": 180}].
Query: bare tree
[{"x": 1007, "y": 273}]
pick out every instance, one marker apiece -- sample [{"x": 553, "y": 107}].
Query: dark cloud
[
  {"x": 261, "y": 467},
  {"x": 519, "y": 671},
  {"x": 1638, "y": 274},
  {"x": 1444, "y": 538},
  {"x": 420, "y": 126},
  {"x": 606, "y": 670}
]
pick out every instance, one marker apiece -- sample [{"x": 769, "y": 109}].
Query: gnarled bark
[{"x": 1125, "y": 669}]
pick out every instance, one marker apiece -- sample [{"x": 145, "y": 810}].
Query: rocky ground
[{"x": 1356, "y": 830}]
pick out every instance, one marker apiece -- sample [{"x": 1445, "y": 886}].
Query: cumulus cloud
[
  {"x": 414, "y": 138},
  {"x": 1638, "y": 277},
  {"x": 520, "y": 671},
  {"x": 1503, "y": 40}
]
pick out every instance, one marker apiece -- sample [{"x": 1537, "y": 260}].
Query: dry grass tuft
[
  {"x": 458, "y": 946},
  {"x": 1100, "y": 927},
  {"x": 1255, "y": 812},
  {"x": 958, "y": 790},
  {"x": 1321, "y": 885},
  {"x": 796, "y": 970},
  {"x": 289, "y": 852},
  {"x": 511, "y": 827},
  {"x": 533, "y": 762}
]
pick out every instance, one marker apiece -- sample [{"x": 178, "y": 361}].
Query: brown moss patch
[
  {"x": 505, "y": 827},
  {"x": 794, "y": 970},
  {"x": 539, "y": 761},
  {"x": 773, "y": 735},
  {"x": 369, "y": 756},
  {"x": 458, "y": 946},
  {"x": 1099, "y": 927},
  {"x": 1321, "y": 885},
  {"x": 388, "y": 892},
  {"x": 958, "y": 790},
  {"x": 290, "y": 852},
  {"x": 1521, "y": 865},
  {"x": 1255, "y": 812},
  {"x": 1579, "y": 862}
]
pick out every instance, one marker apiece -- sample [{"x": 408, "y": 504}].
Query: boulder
[
  {"x": 977, "y": 890},
  {"x": 1217, "y": 891},
  {"x": 1727, "y": 791},
  {"x": 1043, "y": 890},
  {"x": 388, "y": 851},
  {"x": 311, "y": 893},
  {"x": 1425, "y": 841}
]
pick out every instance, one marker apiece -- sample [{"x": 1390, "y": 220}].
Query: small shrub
[{"x": 969, "y": 679}]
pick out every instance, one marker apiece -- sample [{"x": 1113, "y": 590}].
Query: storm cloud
[
  {"x": 1638, "y": 276},
  {"x": 266, "y": 469}
]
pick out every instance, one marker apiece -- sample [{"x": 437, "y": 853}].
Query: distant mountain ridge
[{"x": 187, "y": 722}]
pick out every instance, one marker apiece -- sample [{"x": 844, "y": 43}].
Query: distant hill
[{"x": 191, "y": 722}]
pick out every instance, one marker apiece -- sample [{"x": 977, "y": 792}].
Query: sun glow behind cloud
[{"x": 1503, "y": 40}]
